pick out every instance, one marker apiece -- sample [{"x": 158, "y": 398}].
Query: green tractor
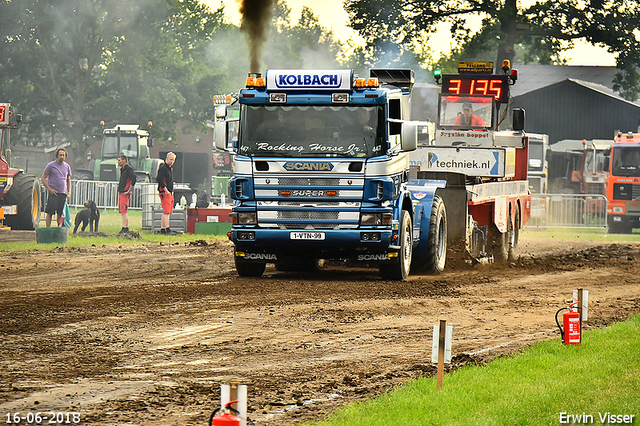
[{"x": 127, "y": 139}]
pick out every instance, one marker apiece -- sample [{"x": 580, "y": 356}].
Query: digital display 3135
[{"x": 496, "y": 85}]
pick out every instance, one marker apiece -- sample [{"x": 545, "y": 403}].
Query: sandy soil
[{"x": 146, "y": 335}]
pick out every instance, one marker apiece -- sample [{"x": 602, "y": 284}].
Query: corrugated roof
[
  {"x": 534, "y": 76},
  {"x": 602, "y": 89}
]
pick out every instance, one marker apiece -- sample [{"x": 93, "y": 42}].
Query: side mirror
[
  {"x": 409, "y": 141},
  {"x": 518, "y": 119},
  {"x": 221, "y": 112},
  {"x": 220, "y": 134}
]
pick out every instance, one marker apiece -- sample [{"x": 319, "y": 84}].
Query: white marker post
[
  {"x": 441, "y": 348},
  {"x": 231, "y": 392},
  {"x": 582, "y": 297}
]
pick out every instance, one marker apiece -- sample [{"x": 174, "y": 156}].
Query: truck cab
[
  {"x": 623, "y": 183},
  {"x": 320, "y": 170}
]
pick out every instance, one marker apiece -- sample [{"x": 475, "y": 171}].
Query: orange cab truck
[{"x": 622, "y": 185}]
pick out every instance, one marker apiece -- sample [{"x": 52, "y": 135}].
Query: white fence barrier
[
  {"x": 568, "y": 211},
  {"x": 105, "y": 194}
]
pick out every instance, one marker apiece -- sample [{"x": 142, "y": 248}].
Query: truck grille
[
  {"x": 308, "y": 210},
  {"x": 309, "y": 181},
  {"x": 626, "y": 191}
]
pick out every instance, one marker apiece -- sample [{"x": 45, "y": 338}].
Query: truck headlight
[
  {"x": 618, "y": 209},
  {"x": 244, "y": 218},
  {"x": 371, "y": 219},
  {"x": 375, "y": 219}
]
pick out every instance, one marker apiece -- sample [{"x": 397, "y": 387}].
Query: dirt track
[{"x": 125, "y": 338}]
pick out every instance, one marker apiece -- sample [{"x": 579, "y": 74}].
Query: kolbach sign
[{"x": 309, "y": 80}]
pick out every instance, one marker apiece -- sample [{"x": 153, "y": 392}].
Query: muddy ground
[{"x": 145, "y": 335}]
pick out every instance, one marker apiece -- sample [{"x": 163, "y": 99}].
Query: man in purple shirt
[{"x": 57, "y": 179}]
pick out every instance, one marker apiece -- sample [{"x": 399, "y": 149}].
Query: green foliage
[
  {"x": 538, "y": 33},
  {"x": 67, "y": 65},
  {"x": 532, "y": 388}
]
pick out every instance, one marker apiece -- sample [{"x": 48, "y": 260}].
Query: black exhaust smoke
[{"x": 256, "y": 16}]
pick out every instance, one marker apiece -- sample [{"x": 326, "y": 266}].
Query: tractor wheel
[
  {"x": 400, "y": 270},
  {"x": 143, "y": 178},
  {"x": 83, "y": 175},
  {"x": 25, "y": 193}
]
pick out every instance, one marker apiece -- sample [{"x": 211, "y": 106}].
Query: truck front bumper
[{"x": 360, "y": 245}]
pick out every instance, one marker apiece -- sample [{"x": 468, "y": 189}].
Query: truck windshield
[
  {"x": 465, "y": 112},
  {"x": 536, "y": 156},
  {"x": 626, "y": 161},
  {"x": 128, "y": 147},
  {"x": 319, "y": 131}
]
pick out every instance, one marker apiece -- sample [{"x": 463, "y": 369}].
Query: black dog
[{"x": 90, "y": 215}]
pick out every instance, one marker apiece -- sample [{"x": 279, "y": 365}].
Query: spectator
[
  {"x": 125, "y": 188},
  {"x": 56, "y": 178},
  {"x": 165, "y": 190}
]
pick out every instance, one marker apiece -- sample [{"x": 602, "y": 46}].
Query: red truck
[{"x": 19, "y": 192}]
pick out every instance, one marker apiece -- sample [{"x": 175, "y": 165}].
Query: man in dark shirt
[
  {"x": 125, "y": 188},
  {"x": 165, "y": 190}
]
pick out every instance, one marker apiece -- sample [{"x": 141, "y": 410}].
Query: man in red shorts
[
  {"x": 125, "y": 188},
  {"x": 165, "y": 190}
]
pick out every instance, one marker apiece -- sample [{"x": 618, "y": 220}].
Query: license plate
[{"x": 306, "y": 235}]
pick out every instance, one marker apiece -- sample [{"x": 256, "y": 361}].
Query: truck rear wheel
[
  {"x": 513, "y": 233},
  {"x": 499, "y": 243},
  {"x": 25, "y": 193},
  {"x": 437, "y": 239},
  {"x": 246, "y": 269},
  {"x": 400, "y": 270}
]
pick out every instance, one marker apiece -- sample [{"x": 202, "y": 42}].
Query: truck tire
[
  {"x": 499, "y": 243},
  {"x": 437, "y": 240},
  {"x": 513, "y": 234},
  {"x": 83, "y": 175},
  {"x": 246, "y": 269},
  {"x": 25, "y": 193},
  {"x": 400, "y": 270},
  {"x": 142, "y": 177}
]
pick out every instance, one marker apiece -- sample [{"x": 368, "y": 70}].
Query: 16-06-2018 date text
[{"x": 41, "y": 418}]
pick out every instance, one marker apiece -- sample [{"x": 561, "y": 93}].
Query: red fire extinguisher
[
  {"x": 571, "y": 322},
  {"x": 226, "y": 418}
]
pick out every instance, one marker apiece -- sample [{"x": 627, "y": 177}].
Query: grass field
[
  {"x": 544, "y": 385},
  {"x": 110, "y": 224}
]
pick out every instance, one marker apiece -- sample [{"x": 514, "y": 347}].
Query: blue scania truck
[{"x": 321, "y": 171}]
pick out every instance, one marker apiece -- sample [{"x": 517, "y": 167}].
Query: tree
[
  {"x": 550, "y": 25},
  {"x": 70, "y": 64}
]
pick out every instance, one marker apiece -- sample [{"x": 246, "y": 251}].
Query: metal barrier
[
  {"x": 105, "y": 194},
  {"x": 568, "y": 211}
]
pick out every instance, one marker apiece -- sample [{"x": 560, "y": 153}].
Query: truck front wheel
[
  {"x": 246, "y": 269},
  {"x": 400, "y": 270},
  {"x": 25, "y": 193}
]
